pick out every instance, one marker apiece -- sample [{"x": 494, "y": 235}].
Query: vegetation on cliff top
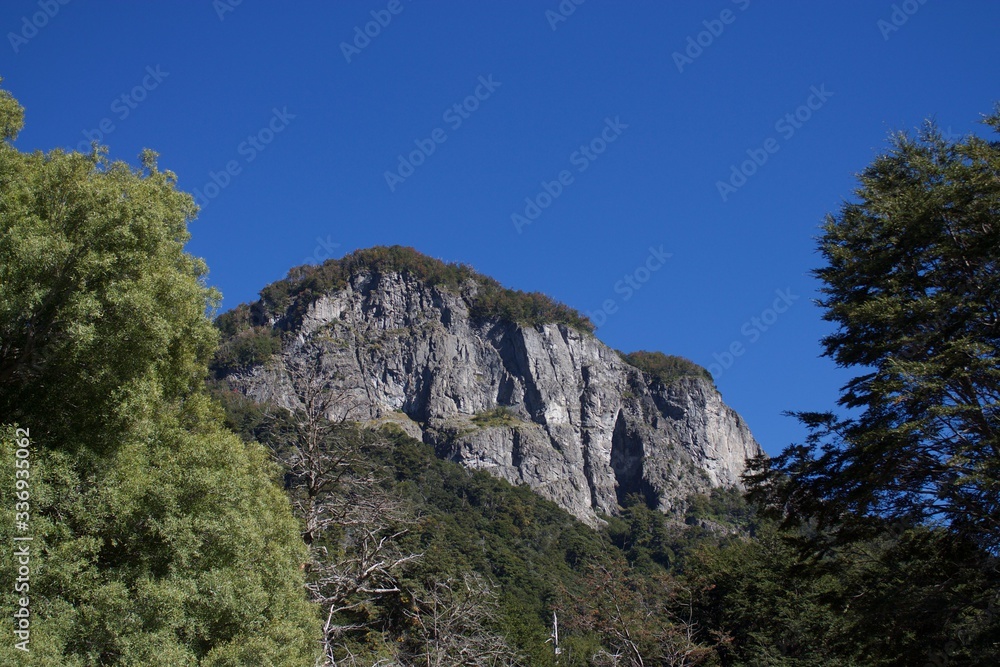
[
  {"x": 665, "y": 367},
  {"x": 289, "y": 299},
  {"x": 249, "y": 339}
]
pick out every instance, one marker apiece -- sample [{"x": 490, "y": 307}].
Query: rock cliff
[{"x": 542, "y": 404}]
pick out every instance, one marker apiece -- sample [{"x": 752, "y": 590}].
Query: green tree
[
  {"x": 160, "y": 538},
  {"x": 906, "y": 597},
  {"x": 894, "y": 509},
  {"x": 762, "y": 608},
  {"x": 102, "y": 313},
  {"x": 912, "y": 283}
]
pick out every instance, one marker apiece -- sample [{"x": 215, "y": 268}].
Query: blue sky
[{"x": 617, "y": 120}]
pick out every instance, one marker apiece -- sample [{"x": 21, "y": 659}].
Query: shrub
[
  {"x": 492, "y": 301},
  {"x": 665, "y": 367},
  {"x": 245, "y": 349},
  {"x": 498, "y": 416}
]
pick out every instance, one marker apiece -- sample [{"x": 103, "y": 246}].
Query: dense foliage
[
  {"x": 158, "y": 537},
  {"x": 912, "y": 282},
  {"x": 903, "y": 598},
  {"x": 243, "y": 343},
  {"x": 891, "y": 516},
  {"x": 538, "y": 556}
]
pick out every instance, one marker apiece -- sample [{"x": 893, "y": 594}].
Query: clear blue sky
[{"x": 267, "y": 90}]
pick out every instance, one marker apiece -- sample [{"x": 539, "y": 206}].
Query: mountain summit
[{"x": 510, "y": 382}]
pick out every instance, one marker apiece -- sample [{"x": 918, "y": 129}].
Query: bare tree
[
  {"x": 351, "y": 521},
  {"x": 354, "y": 526},
  {"x": 641, "y": 620},
  {"x": 457, "y": 621}
]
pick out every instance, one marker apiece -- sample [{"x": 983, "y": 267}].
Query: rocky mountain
[{"x": 505, "y": 381}]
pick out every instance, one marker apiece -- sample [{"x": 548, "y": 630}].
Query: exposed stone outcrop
[{"x": 575, "y": 422}]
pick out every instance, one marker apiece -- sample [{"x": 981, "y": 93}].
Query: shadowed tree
[
  {"x": 912, "y": 283},
  {"x": 903, "y": 493}
]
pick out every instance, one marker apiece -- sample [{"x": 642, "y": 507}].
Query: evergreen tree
[
  {"x": 912, "y": 282},
  {"x": 894, "y": 509}
]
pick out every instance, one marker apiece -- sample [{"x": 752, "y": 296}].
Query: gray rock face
[{"x": 575, "y": 422}]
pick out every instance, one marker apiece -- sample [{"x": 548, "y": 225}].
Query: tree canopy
[
  {"x": 890, "y": 524},
  {"x": 158, "y": 536},
  {"x": 912, "y": 283}
]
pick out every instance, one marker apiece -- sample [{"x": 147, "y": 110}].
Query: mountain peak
[
  {"x": 510, "y": 382},
  {"x": 487, "y": 298}
]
